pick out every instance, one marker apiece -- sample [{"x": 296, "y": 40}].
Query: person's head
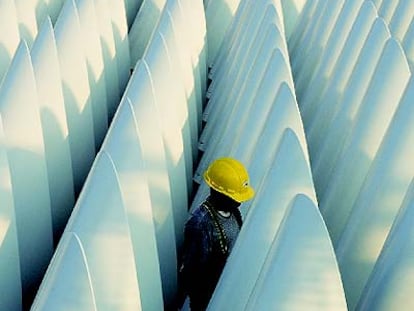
[{"x": 229, "y": 181}]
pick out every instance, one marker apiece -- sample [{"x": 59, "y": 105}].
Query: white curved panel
[
  {"x": 76, "y": 92},
  {"x": 310, "y": 30},
  {"x": 391, "y": 282},
  {"x": 408, "y": 44},
  {"x": 366, "y": 133},
  {"x": 334, "y": 87},
  {"x": 143, "y": 27},
  {"x": 387, "y": 8},
  {"x": 164, "y": 180},
  {"x": 67, "y": 283},
  {"x": 106, "y": 235},
  {"x": 245, "y": 48},
  {"x": 120, "y": 33},
  {"x": 261, "y": 88},
  {"x": 343, "y": 112},
  {"x": 218, "y": 18},
  {"x": 312, "y": 52},
  {"x": 287, "y": 175},
  {"x": 189, "y": 117},
  {"x": 401, "y": 19},
  {"x": 131, "y": 10},
  {"x": 95, "y": 65},
  {"x": 123, "y": 145},
  {"x": 171, "y": 106},
  {"x": 300, "y": 271},
  {"x": 10, "y": 285},
  {"x": 302, "y": 26},
  {"x": 25, "y": 151},
  {"x": 54, "y": 125},
  {"x": 53, "y": 8},
  {"x": 26, "y": 15},
  {"x": 104, "y": 20},
  {"x": 379, "y": 200},
  {"x": 236, "y": 85},
  {"x": 320, "y": 76},
  {"x": 194, "y": 12},
  {"x": 231, "y": 35},
  {"x": 9, "y": 40}
]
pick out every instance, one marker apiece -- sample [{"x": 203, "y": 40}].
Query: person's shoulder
[{"x": 199, "y": 217}]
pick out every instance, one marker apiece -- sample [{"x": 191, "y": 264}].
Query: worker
[{"x": 211, "y": 231}]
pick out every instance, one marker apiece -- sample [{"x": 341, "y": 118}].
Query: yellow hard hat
[{"x": 230, "y": 177}]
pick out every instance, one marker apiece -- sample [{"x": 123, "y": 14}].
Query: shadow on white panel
[
  {"x": 131, "y": 10},
  {"x": 124, "y": 147},
  {"x": 53, "y": 8},
  {"x": 76, "y": 92},
  {"x": 162, "y": 175},
  {"x": 25, "y": 151},
  {"x": 367, "y": 132},
  {"x": 245, "y": 49},
  {"x": 173, "y": 113},
  {"x": 120, "y": 33},
  {"x": 262, "y": 84},
  {"x": 9, "y": 40},
  {"x": 322, "y": 109},
  {"x": 401, "y": 19},
  {"x": 286, "y": 176},
  {"x": 54, "y": 125},
  {"x": 312, "y": 53},
  {"x": 26, "y": 15},
  {"x": 218, "y": 18},
  {"x": 387, "y": 8},
  {"x": 379, "y": 200},
  {"x": 391, "y": 282},
  {"x": 408, "y": 44},
  {"x": 104, "y": 20},
  {"x": 340, "y": 33},
  {"x": 143, "y": 27},
  {"x": 106, "y": 235},
  {"x": 95, "y": 66},
  {"x": 344, "y": 111},
  {"x": 67, "y": 283},
  {"x": 10, "y": 285},
  {"x": 181, "y": 80},
  {"x": 300, "y": 271}
]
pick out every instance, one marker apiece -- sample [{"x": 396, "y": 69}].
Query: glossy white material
[
  {"x": 391, "y": 282},
  {"x": 76, "y": 92},
  {"x": 23, "y": 140},
  {"x": 95, "y": 65},
  {"x": 345, "y": 109},
  {"x": 401, "y": 19},
  {"x": 26, "y": 15},
  {"x": 54, "y": 125},
  {"x": 131, "y": 10},
  {"x": 67, "y": 284},
  {"x": 379, "y": 199},
  {"x": 287, "y": 175},
  {"x": 173, "y": 111},
  {"x": 319, "y": 108},
  {"x": 143, "y": 27},
  {"x": 123, "y": 145},
  {"x": 371, "y": 121},
  {"x": 319, "y": 78},
  {"x": 11, "y": 298},
  {"x": 120, "y": 34},
  {"x": 218, "y": 18},
  {"x": 9, "y": 40},
  {"x": 300, "y": 271},
  {"x": 106, "y": 235},
  {"x": 162, "y": 175},
  {"x": 112, "y": 79}
]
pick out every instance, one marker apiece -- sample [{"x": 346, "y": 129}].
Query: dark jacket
[{"x": 208, "y": 240}]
